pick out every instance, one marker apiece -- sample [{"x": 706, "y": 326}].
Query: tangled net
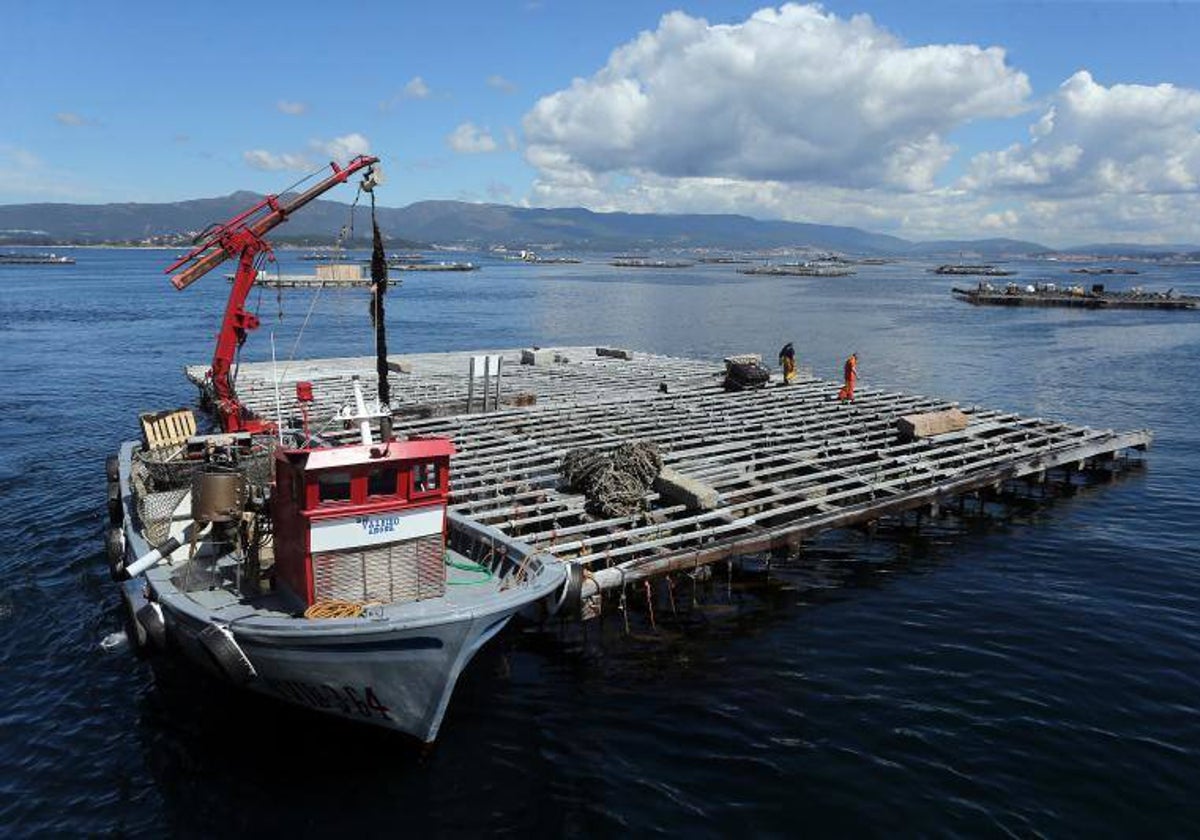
[{"x": 614, "y": 481}]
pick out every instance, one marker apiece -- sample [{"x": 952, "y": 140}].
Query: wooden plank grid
[{"x": 788, "y": 461}]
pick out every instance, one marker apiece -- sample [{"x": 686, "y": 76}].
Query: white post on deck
[
  {"x": 484, "y": 367},
  {"x": 364, "y": 424}
]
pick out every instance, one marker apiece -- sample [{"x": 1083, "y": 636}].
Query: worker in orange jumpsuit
[
  {"x": 850, "y": 370},
  {"x": 787, "y": 360}
]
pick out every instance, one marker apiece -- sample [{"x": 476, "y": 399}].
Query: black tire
[
  {"x": 112, "y": 468},
  {"x": 114, "y": 547},
  {"x": 134, "y": 631},
  {"x": 151, "y": 623},
  {"x": 115, "y": 512},
  {"x": 226, "y": 655}
]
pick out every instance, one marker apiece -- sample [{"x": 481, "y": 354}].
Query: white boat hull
[{"x": 395, "y": 667}]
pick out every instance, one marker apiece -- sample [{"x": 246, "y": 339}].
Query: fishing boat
[{"x": 325, "y": 574}]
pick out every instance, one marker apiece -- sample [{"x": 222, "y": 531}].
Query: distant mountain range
[{"x": 487, "y": 225}]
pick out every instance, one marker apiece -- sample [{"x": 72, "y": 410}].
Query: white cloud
[
  {"x": 71, "y": 118},
  {"x": 791, "y": 95},
  {"x": 341, "y": 149},
  {"x": 25, "y": 176},
  {"x": 501, "y": 84},
  {"x": 1117, "y": 163},
  {"x": 796, "y": 113},
  {"x": 1097, "y": 140},
  {"x": 271, "y": 162},
  {"x": 294, "y": 109},
  {"x": 344, "y": 148},
  {"x": 1000, "y": 221},
  {"x": 469, "y": 139},
  {"x": 511, "y": 142},
  {"x": 416, "y": 89}
]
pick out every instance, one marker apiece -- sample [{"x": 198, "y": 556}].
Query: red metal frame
[{"x": 242, "y": 237}]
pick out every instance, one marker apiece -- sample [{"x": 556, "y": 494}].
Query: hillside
[{"x": 475, "y": 225}]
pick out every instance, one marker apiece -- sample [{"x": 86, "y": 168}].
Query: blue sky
[{"x": 907, "y": 121}]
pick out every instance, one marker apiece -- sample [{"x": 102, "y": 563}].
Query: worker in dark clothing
[
  {"x": 787, "y": 361},
  {"x": 850, "y": 371}
]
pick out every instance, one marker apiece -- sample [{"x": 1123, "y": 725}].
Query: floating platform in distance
[
  {"x": 534, "y": 258},
  {"x": 308, "y": 281},
  {"x": 801, "y": 270},
  {"x": 785, "y": 462},
  {"x": 978, "y": 270},
  {"x": 1014, "y": 295},
  {"x": 1104, "y": 271},
  {"x": 430, "y": 266},
  {"x": 35, "y": 259},
  {"x": 327, "y": 276},
  {"x": 622, "y": 262}
]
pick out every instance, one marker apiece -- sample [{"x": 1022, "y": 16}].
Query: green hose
[{"x": 468, "y": 566}]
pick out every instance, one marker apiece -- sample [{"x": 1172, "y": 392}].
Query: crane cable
[{"x": 342, "y": 234}]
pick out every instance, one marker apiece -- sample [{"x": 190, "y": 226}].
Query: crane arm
[
  {"x": 242, "y": 237},
  {"x": 215, "y": 248}
]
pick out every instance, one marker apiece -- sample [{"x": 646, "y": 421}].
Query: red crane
[{"x": 242, "y": 237}]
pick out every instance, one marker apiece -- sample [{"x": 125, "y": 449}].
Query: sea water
[{"x": 1039, "y": 674}]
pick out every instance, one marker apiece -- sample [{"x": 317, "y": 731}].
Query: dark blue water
[{"x": 1036, "y": 675}]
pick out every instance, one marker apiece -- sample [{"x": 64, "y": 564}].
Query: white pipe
[
  {"x": 364, "y": 425},
  {"x": 155, "y": 555}
]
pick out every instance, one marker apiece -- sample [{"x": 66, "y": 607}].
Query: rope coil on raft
[{"x": 615, "y": 480}]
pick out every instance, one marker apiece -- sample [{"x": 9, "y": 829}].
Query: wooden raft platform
[
  {"x": 788, "y": 462},
  {"x": 1086, "y": 300}
]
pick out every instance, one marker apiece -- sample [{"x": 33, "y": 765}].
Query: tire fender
[
  {"x": 114, "y": 548},
  {"x": 225, "y": 654}
]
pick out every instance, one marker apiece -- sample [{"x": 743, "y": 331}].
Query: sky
[{"x": 1059, "y": 122}]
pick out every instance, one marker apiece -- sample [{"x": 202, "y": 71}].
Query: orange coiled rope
[{"x": 334, "y": 609}]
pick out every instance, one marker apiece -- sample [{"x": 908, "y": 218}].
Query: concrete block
[
  {"x": 615, "y": 353},
  {"x": 536, "y": 356},
  {"x": 931, "y": 424},
  {"x": 682, "y": 490}
]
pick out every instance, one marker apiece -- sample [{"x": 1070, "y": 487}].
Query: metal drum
[{"x": 218, "y": 495}]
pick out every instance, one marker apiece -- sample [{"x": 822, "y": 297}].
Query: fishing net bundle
[
  {"x": 746, "y": 375},
  {"x": 614, "y": 481}
]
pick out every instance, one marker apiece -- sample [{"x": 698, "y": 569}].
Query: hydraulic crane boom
[{"x": 242, "y": 237}]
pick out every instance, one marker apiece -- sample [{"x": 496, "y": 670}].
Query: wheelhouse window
[
  {"x": 425, "y": 477},
  {"x": 333, "y": 487},
  {"x": 382, "y": 482}
]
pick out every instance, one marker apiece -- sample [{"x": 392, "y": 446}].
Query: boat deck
[{"x": 788, "y": 462}]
